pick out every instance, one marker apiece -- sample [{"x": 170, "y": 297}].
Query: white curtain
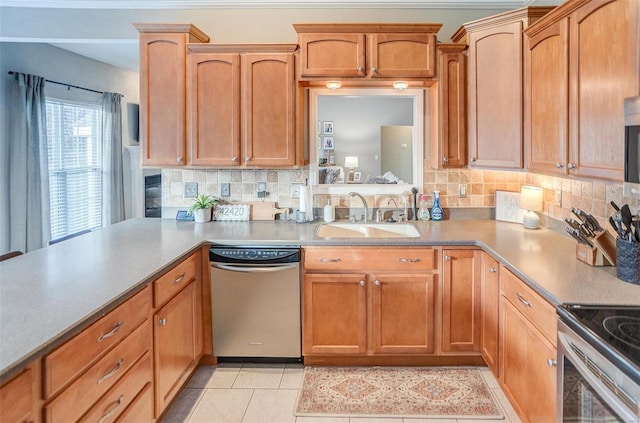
[
  {"x": 112, "y": 180},
  {"x": 29, "y": 173}
]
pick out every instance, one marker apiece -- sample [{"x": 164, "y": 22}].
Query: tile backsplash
[{"x": 591, "y": 196}]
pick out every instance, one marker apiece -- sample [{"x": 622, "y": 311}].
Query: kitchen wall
[{"x": 62, "y": 66}]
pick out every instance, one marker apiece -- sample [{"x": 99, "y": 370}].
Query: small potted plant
[{"x": 202, "y": 207}]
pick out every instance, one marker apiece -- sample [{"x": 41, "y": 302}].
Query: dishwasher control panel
[{"x": 250, "y": 254}]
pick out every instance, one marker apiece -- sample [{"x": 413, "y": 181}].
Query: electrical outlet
[
  {"x": 295, "y": 190},
  {"x": 557, "y": 197},
  {"x": 225, "y": 189},
  {"x": 462, "y": 190},
  {"x": 262, "y": 189},
  {"x": 190, "y": 189}
]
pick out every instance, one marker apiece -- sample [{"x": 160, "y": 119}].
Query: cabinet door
[
  {"x": 546, "y": 99},
  {"x": 162, "y": 98},
  {"x": 214, "y": 109},
  {"x": 335, "y": 314},
  {"x": 495, "y": 96},
  {"x": 604, "y": 69},
  {"x": 449, "y": 147},
  {"x": 490, "y": 312},
  {"x": 334, "y": 54},
  {"x": 403, "y": 313},
  {"x": 175, "y": 339},
  {"x": 268, "y": 109},
  {"x": 461, "y": 300},
  {"x": 527, "y": 365},
  {"x": 402, "y": 55},
  {"x": 16, "y": 398}
]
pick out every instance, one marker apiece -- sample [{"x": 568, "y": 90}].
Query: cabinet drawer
[
  {"x": 535, "y": 308},
  {"x": 174, "y": 280},
  {"x": 114, "y": 403},
  {"x": 16, "y": 398},
  {"x": 141, "y": 410},
  {"x": 369, "y": 258},
  {"x": 70, "y": 359},
  {"x": 81, "y": 395}
]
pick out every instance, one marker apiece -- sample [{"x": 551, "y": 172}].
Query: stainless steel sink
[{"x": 367, "y": 230}]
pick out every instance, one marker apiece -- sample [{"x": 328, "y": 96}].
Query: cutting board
[{"x": 265, "y": 210}]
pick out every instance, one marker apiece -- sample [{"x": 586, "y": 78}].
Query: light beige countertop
[{"x": 47, "y": 296}]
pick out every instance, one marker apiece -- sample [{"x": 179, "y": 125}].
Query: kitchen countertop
[{"x": 49, "y": 295}]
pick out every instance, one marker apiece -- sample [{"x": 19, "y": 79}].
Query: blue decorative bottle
[{"x": 436, "y": 210}]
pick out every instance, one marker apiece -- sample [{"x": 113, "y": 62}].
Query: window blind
[{"x": 75, "y": 174}]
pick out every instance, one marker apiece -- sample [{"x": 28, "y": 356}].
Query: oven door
[{"x": 592, "y": 389}]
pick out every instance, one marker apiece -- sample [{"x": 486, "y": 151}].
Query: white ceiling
[{"x": 103, "y": 30}]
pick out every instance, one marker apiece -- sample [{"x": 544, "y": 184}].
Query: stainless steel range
[{"x": 599, "y": 363}]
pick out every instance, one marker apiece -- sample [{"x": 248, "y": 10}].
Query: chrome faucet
[{"x": 364, "y": 203}]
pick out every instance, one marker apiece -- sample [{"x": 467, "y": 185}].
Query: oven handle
[{"x": 251, "y": 269}]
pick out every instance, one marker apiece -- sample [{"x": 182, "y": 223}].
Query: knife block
[{"x": 591, "y": 255}]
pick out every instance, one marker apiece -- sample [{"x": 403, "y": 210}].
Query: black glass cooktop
[{"x": 614, "y": 327}]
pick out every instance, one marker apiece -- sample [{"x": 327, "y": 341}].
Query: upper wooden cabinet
[
  {"x": 163, "y": 50},
  {"x": 495, "y": 87},
  {"x": 241, "y": 105},
  {"x": 581, "y": 61},
  {"x": 449, "y": 131},
  {"x": 367, "y": 50}
]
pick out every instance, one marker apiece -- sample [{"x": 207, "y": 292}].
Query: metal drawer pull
[
  {"x": 408, "y": 260},
  {"x": 522, "y": 300},
  {"x": 326, "y": 260},
  {"x": 180, "y": 278},
  {"x": 112, "y": 372},
  {"x": 111, "y": 332},
  {"x": 551, "y": 362},
  {"x": 162, "y": 322},
  {"x": 493, "y": 270},
  {"x": 447, "y": 258},
  {"x": 362, "y": 283},
  {"x": 377, "y": 282},
  {"x": 111, "y": 410}
]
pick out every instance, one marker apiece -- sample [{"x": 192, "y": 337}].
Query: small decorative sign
[
  {"x": 508, "y": 207},
  {"x": 232, "y": 212}
]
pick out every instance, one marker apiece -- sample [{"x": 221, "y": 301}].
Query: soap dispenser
[{"x": 329, "y": 212}]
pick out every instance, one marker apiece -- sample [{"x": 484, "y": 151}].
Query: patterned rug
[{"x": 429, "y": 392}]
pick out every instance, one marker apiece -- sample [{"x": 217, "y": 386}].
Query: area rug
[{"x": 428, "y": 392}]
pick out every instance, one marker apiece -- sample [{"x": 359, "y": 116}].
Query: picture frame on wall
[
  {"x": 327, "y": 127},
  {"x": 327, "y": 143}
]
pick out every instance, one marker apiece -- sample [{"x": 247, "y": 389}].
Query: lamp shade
[
  {"x": 351, "y": 161},
  {"x": 531, "y": 198}
]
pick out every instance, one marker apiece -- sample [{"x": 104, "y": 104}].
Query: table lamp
[
  {"x": 351, "y": 162},
  {"x": 531, "y": 200}
]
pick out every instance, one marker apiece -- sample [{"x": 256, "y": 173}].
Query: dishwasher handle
[{"x": 254, "y": 269}]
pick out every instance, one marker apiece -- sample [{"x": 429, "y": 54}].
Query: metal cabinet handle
[
  {"x": 473, "y": 159},
  {"x": 179, "y": 159},
  {"x": 247, "y": 159},
  {"x": 110, "y": 373},
  {"x": 408, "y": 260},
  {"x": 447, "y": 258},
  {"x": 374, "y": 70},
  {"x": 361, "y": 69},
  {"x": 362, "y": 283},
  {"x": 551, "y": 362},
  {"x": 559, "y": 165},
  {"x": 376, "y": 282},
  {"x": 234, "y": 159},
  {"x": 180, "y": 278},
  {"x": 445, "y": 159},
  {"x": 329, "y": 260},
  {"x": 112, "y": 332},
  {"x": 493, "y": 270},
  {"x": 571, "y": 166},
  {"x": 162, "y": 322},
  {"x": 111, "y": 410},
  {"x": 522, "y": 300}
]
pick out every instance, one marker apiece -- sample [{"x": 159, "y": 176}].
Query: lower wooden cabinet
[
  {"x": 175, "y": 345},
  {"x": 490, "y": 315},
  {"x": 461, "y": 300},
  {"x": 528, "y": 371},
  {"x": 16, "y": 398}
]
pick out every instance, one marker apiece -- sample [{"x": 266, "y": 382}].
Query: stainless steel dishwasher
[{"x": 255, "y": 301}]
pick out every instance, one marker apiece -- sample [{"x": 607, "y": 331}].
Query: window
[{"x": 75, "y": 166}]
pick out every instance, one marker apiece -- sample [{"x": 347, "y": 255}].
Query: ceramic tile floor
[{"x": 266, "y": 393}]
